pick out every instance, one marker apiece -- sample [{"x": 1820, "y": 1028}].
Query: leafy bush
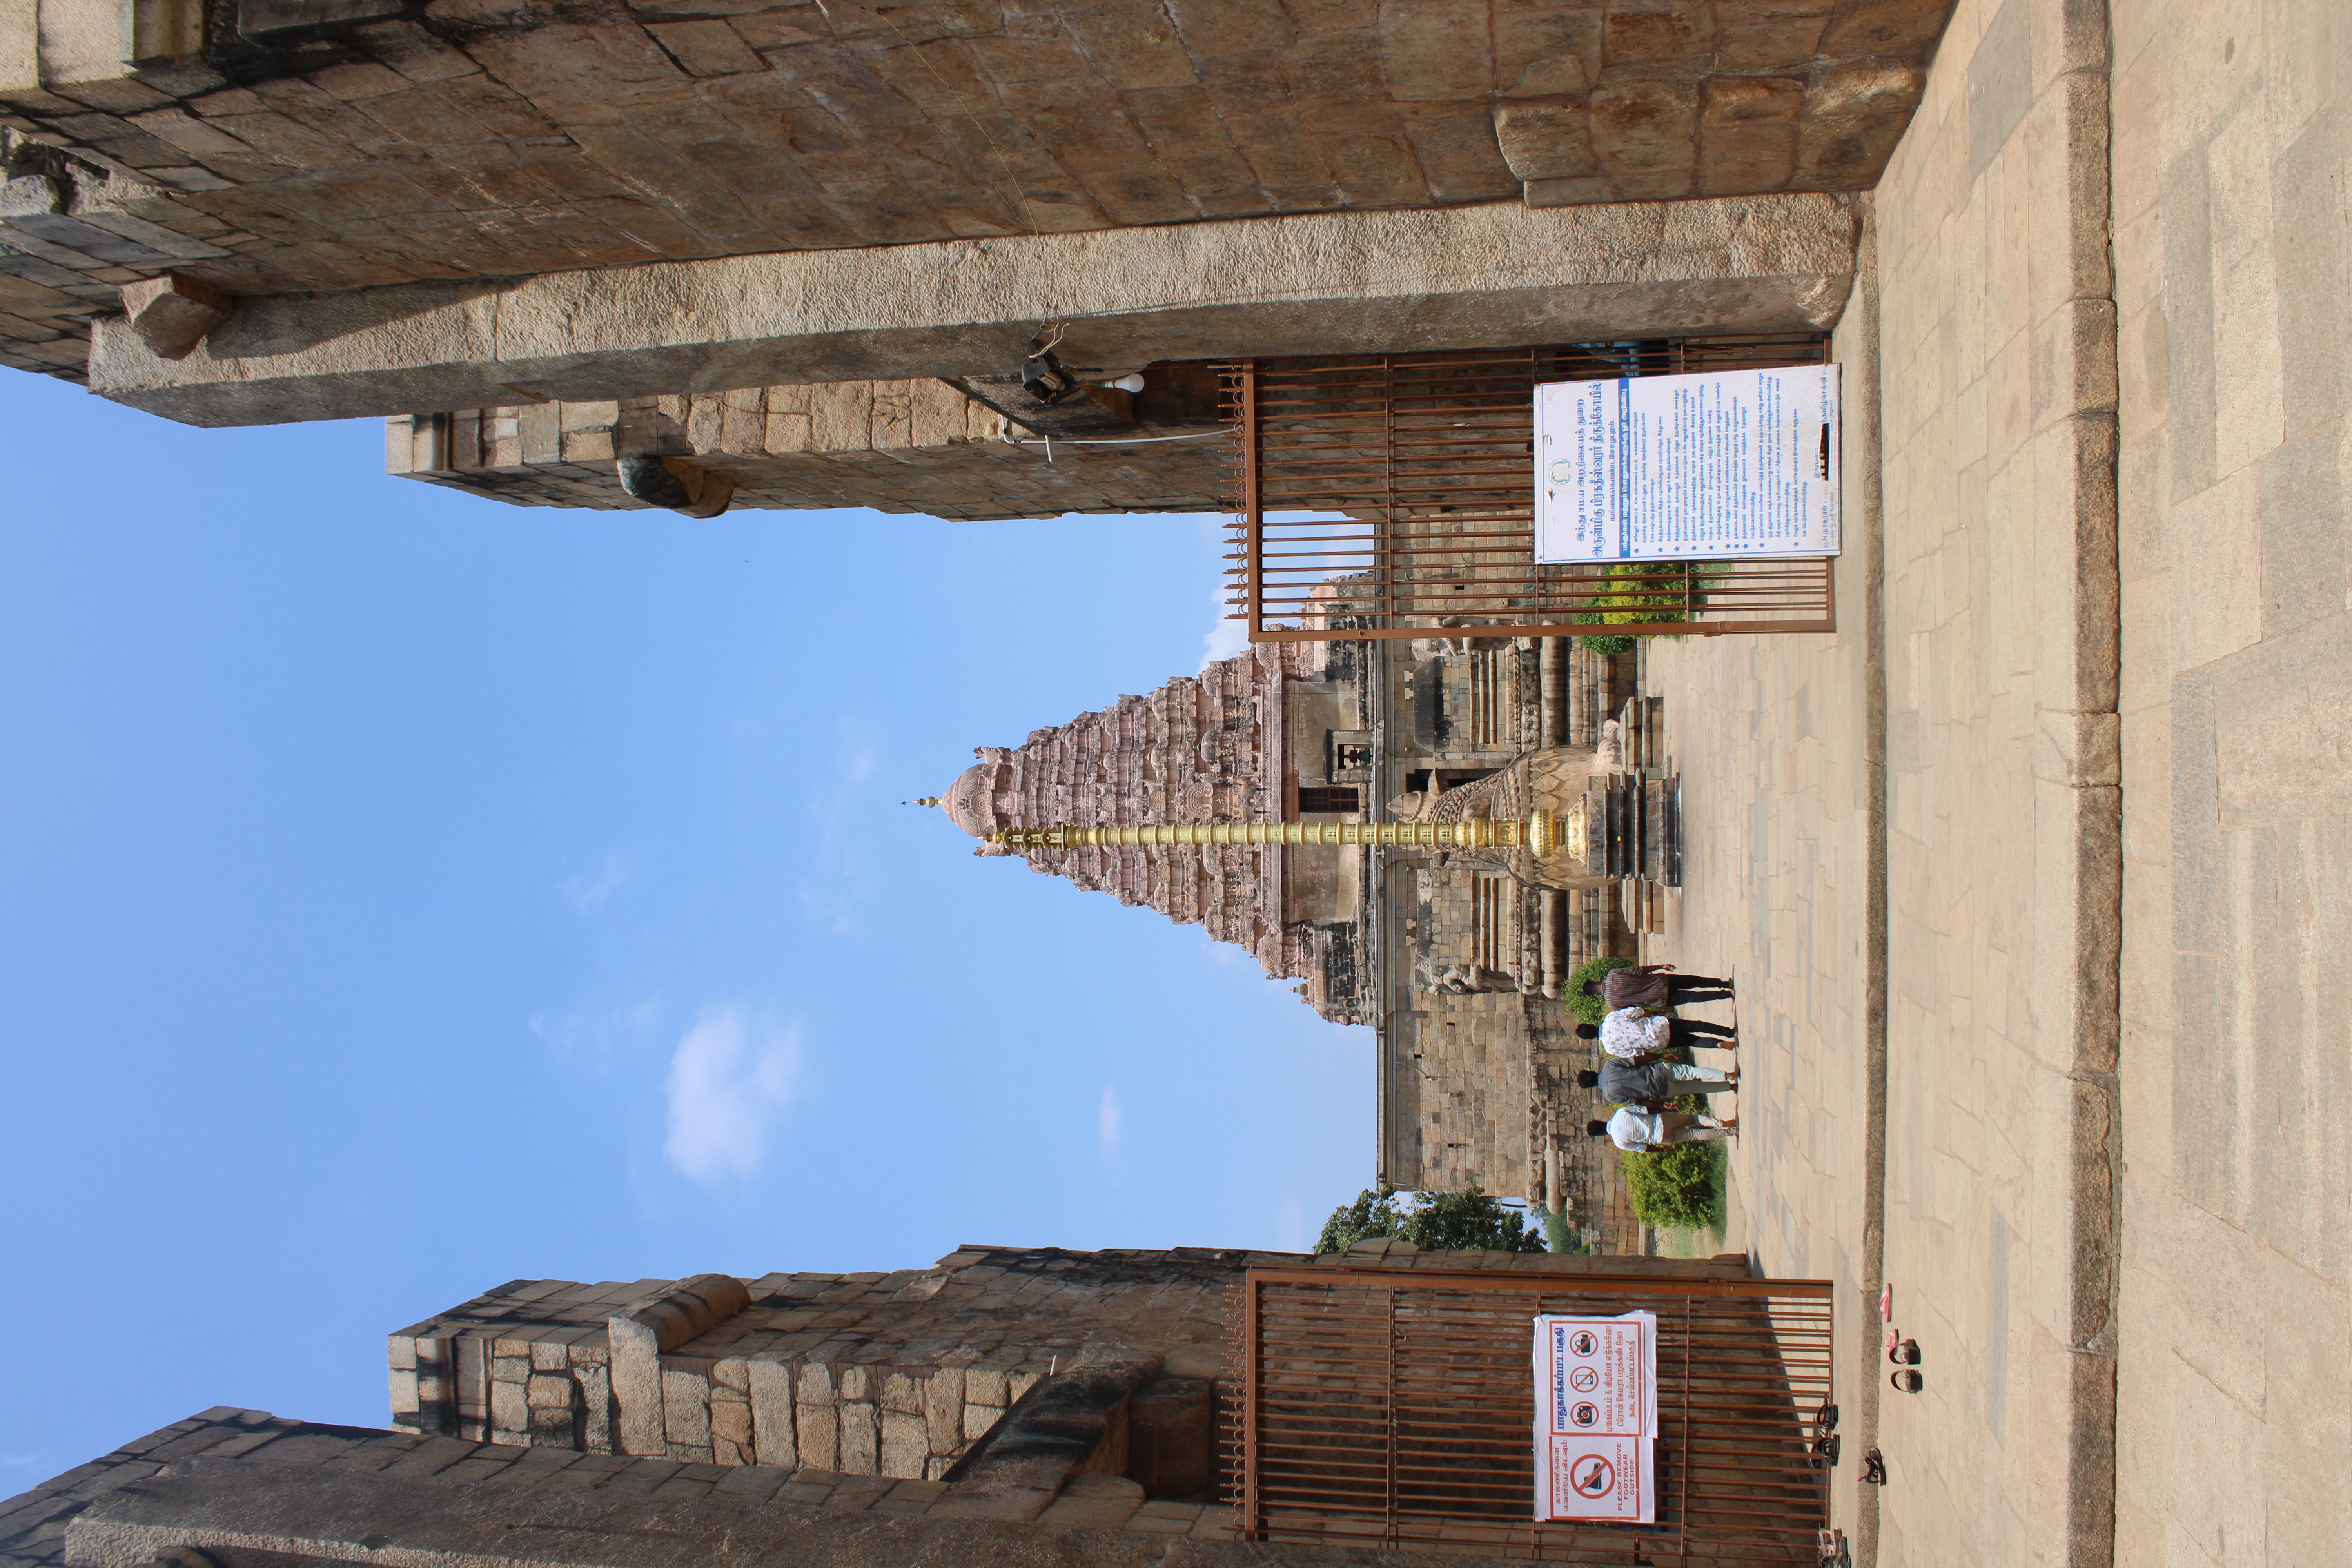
[
  {"x": 1681, "y": 1188},
  {"x": 1589, "y": 1009},
  {"x": 1467, "y": 1221},
  {"x": 1658, "y": 599}
]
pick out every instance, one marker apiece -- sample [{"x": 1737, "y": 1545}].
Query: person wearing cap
[{"x": 1653, "y": 1128}]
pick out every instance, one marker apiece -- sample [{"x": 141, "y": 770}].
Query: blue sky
[{"x": 402, "y": 893}]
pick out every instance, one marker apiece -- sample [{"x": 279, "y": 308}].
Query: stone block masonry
[
  {"x": 880, "y": 1375},
  {"x": 236, "y": 1483},
  {"x": 919, "y": 445},
  {"x": 244, "y": 1488},
  {"x": 391, "y": 143}
]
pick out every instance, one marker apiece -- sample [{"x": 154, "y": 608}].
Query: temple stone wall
[
  {"x": 885, "y": 1374},
  {"x": 1474, "y": 1063},
  {"x": 279, "y": 152},
  {"x": 244, "y": 1489},
  {"x": 916, "y": 446},
  {"x": 1494, "y": 1078}
]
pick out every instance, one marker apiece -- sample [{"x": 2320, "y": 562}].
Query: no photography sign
[{"x": 1596, "y": 1418}]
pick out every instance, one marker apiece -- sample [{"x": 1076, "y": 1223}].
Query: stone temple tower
[{"x": 1246, "y": 739}]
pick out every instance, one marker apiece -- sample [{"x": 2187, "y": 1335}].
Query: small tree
[
  {"x": 1558, "y": 1237},
  {"x": 1372, "y": 1214},
  {"x": 1467, "y": 1221}
]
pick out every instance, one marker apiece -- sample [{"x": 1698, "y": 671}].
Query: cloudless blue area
[{"x": 402, "y": 893}]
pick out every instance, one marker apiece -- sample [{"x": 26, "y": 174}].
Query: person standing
[
  {"x": 1623, "y": 1082},
  {"x": 1656, "y": 985},
  {"x": 1653, "y": 1129},
  {"x": 1634, "y": 1032}
]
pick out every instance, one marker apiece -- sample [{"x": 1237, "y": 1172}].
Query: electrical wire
[{"x": 1012, "y": 440}]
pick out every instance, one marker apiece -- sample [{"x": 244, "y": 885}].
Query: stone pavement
[
  {"x": 2086, "y": 977},
  {"x": 2233, "y": 314},
  {"x": 1771, "y": 739}
]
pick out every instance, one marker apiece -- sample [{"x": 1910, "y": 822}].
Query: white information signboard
[
  {"x": 1709, "y": 466},
  {"x": 1596, "y": 1418}
]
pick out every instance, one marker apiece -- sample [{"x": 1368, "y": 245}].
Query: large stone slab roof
[{"x": 484, "y": 138}]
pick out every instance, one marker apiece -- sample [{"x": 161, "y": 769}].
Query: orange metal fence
[
  {"x": 1375, "y": 1406},
  {"x": 1430, "y": 458}
]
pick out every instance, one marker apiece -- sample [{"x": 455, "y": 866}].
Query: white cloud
[
  {"x": 599, "y": 1039},
  {"x": 1290, "y": 1226},
  {"x": 1106, "y": 1124},
  {"x": 586, "y": 894},
  {"x": 1225, "y": 638},
  {"x": 838, "y": 884},
  {"x": 731, "y": 1077}
]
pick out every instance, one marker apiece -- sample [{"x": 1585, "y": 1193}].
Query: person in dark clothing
[
  {"x": 1656, "y": 985},
  {"x": 1631, "y": 1083}
]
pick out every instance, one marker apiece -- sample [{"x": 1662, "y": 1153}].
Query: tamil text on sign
[
  {"x": 1596, "y": 1417},
  {"x": 1713, "y": 465}
]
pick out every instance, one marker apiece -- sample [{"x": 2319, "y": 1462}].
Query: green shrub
[
  {"x": 1681, "y": 1188},
  {"x": 1589, "y": 1009},
  {"x": 1660, "y": 599}
]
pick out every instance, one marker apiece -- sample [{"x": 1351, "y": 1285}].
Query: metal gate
[
  {"x": 1429, "y": 457},
  {"x": 1378, "y": 1407}
]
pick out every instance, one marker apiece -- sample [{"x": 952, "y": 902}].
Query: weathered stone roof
[{"x": 464, "y": 140}]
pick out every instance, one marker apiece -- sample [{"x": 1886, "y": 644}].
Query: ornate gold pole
[{"x": 1539, "y": 834}]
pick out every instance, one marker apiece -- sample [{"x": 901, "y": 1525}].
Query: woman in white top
[{"x": 1652, "y": 1127}]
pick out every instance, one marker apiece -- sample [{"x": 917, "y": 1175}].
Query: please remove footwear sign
[
  {"x": 1714, "y": 466},
  {"x": 1596, "y": 1417}
]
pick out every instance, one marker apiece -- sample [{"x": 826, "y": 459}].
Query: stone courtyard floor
[{"x": 2036, "y": 877}]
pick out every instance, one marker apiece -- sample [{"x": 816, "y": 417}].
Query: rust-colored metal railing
[
  {"x": 1429, "y": 460},
  {"x": 1396, "y": 1407}
]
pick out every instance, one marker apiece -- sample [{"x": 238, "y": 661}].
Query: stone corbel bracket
[
  {"x": 174, "y": 313},
  {"x": 640, "y": 1332},
  {"x": 1071, "y": 1422},
  {"x": 656, "y": 465},
  {"x": 680, "y": 484}
]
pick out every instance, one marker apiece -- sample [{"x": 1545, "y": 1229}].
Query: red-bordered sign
[{"x": 1596, "y": 1417}]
